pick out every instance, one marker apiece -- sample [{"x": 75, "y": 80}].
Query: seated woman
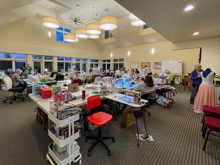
[
  {"x": 169, "y": 76},
  {"x": 10, "y": 72},
  {"x": 25, "y": 74},
  {"x": 132, "y": 73},
  {"x": 147, "y": 86},
  {"x": 137, "y": 71},
  {"x": 16, "y": 81},
  {"x": 101, "y": 73}
]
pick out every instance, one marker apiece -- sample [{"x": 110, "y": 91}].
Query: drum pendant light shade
[
  {"x": 69, "y": 38},
  {"x": 94, "y": 36},
  {"x": 93, "y": 28},
  {"x": 81, "y": 33},
  {"x": 137, "y": 23},
  {"x": 50, "y": 22},
  {"x": 108, "y": 23}
]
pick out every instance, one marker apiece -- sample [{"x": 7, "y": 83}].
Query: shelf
[
  {"x": 63, "y": 158},
  {"x": 64, "y": 122},
  {"x": 62, "y": 143}
]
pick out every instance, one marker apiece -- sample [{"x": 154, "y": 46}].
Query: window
[
  {"x": 118, "y": 63},
  {"x": 77, "y": 59},
  {"x": 37, "y": 67},
  {"x": 6, "y": 55},
  {"x": 84, "y": 64},
  {"x": 20, "y": 56},
  {"x": 4, "y": 65},
  {"x": 48, "y": 66},
  {"x": 64, "y": 64},
  {"x": 106, "y": 64},
  {"x": 60, "y": 33},
  {"x": 48, "y": 57},
  {"x": 36, "y": 57},
  {"x": 20, "y": 64},
  {"x": 93, "y": 63},
  {"x": 146, "y": 26},
  {"x": 108, "y": 34},
  {"x": 77, "y": 66},
  {"x": 12, "y": 61}
]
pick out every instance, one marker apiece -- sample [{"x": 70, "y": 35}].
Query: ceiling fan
[{"x": 76, "y": 20}]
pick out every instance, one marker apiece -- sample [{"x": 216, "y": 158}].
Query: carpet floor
[{"x": 176, "y": 133}]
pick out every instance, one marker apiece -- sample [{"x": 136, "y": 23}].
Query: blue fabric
[
  {"x": 195, "y": 79},
  {"x": 164, "y": 78},
  {"x": 206, "y": 72},
  {"x": 103, "y": 73}
]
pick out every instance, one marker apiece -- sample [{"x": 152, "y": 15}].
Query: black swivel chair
[
  {"x": 150, "y": 101},
  {"x": 8, "y": 87}
]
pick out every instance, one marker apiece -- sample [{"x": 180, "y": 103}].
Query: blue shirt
[
  {"x": 148, "y": 70},
  {"x": 195, "y": 80}
]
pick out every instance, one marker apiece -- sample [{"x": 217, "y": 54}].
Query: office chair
[
  {"x": 8, "y": 87},
  {"x": 99, "y": 119},
  {"x": 147, "y": 97}
]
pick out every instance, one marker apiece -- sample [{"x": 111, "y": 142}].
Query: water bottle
[{"x": 83, "y": 94}]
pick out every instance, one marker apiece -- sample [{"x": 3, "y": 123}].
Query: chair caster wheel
[
  {"x": 113, "y": 140},
  {"x": 10, "y": 102},
  {"x": 89, "y": 154},
  {"x": 109, "y": 154}
]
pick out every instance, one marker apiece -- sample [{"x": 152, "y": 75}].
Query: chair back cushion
[
  {"x": 8, "y": 83},
  {"x": 93, "y": 101}
]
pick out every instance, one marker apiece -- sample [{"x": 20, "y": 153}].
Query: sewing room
[{"x": 109, "y": 82}]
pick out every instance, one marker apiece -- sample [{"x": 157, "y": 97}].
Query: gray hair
[
  {"x": 10, "y": 70},
  {"x": 167, "y": 71},
  {"x": 19, "y": 71},
  {"x": 197, "y": 65}
]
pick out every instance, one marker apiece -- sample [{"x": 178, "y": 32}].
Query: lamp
[
  {"x": 137, "y": 23},
  {"x": 69, "y": 38},
  {"x": 81, "y": 33},
  {"x": 50, "y": 22},
  {"x": 108, "y": 23},
  {"x": 93, "y": 28},
  {"x": 94, "y": 36}
]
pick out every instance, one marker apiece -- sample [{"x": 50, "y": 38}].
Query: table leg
[
  {"x": 137, "y": 131},
  {"x": 145, "y": 127},
  {"x": 184, "y": 85},
  {"x": 108, "y": 107}
]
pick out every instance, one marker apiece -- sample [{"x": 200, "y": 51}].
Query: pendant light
[
  {"x": 69, "y": 38},
  {"x": 93, "y": 28},
  {"x": 133, "y": 17},
  {"x": 108, "y": 22},
  {"x": 137, "y": 23},
  {"x": 94, "y": 36},
  {"x": 50, "y": 22},
  {"x": 81, "y": 33}
]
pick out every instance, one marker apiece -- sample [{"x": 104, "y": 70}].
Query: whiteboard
[{"x": 174, "y": 66}]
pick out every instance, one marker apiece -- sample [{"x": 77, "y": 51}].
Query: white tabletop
[
  {"x": 116, "y": 97},
  {"x": 37, "y": 98}
]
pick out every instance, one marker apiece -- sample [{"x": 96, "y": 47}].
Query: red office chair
[
  {"x": 77, "y": 81},
  {"x": 213, "y": 124},
  {"x": 99, "y": 119}
]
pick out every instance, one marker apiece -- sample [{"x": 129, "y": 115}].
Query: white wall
[
  {"x": 162, "y": 51},
  {"x": 210, "y": 51}
]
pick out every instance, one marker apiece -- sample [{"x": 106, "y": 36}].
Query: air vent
[{"x": 107, "y": 10}]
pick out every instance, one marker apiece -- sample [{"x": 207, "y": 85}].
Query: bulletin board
[
  {"x": 134, "y": 65},
  {"x": 143, "y": 64}
]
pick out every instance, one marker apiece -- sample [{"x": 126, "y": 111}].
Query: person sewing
[
  {"x": 163, "y": 78},
  {"x": 207, "y": 93},
  {"x": 132, "y": 73},
  {"x": 169, "y": 76},
  {"x": 137, "y": 71},
  {"x": 101, "y": 73},
  {"x": 196, "y": 78},
  {"x": 16, "y": 81},
  {"x": 147, "y": 86},
  {"x": 10, "y": 72},
  {"x": 123, "y": 68},
  {"x": 147, "y": 70}
]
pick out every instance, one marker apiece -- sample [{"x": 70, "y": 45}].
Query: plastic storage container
[{"x": 45, "y": 93}]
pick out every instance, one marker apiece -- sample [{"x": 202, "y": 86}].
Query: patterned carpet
[{"x": 176, "y": 133}]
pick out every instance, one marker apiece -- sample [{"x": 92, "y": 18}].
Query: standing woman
[
  {"x": 195, "y": 76},
  {"x": 147, "y": 70}
]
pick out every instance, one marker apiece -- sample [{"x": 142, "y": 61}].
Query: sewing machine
[{"x": 136, "y": 96}]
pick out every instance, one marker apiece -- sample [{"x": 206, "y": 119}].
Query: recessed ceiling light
[
  {"x": 196, "y": 33},
  {"x": 188, "y": 8},
  {"x": 78, "y": 5}
]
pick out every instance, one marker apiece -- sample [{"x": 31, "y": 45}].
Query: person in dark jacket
[{"x": 195, "y": 76}]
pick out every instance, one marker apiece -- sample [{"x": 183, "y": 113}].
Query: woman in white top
[{"x": 146, "y": 87}]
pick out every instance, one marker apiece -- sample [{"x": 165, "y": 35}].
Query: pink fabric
[{"x": 206, "y": 96}]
